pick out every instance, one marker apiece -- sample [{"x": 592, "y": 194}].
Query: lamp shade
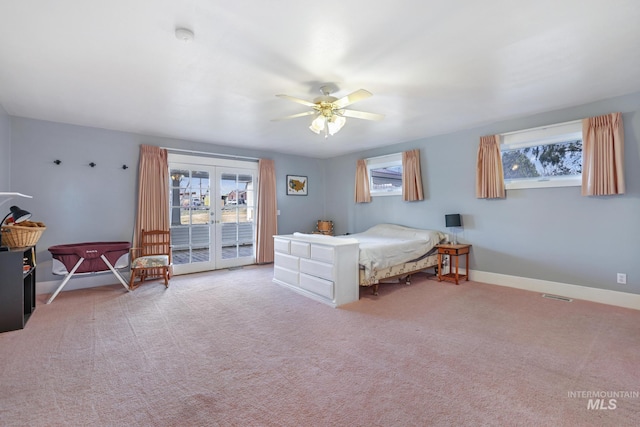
[
  {"x": 317, "y": 125},
  {"x": 453, "y": 220},
  {"x": 335, "y": 124},
  {"x": 19, "y": 215}
]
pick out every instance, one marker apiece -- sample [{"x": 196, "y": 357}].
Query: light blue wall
[
  {"x": 79, "y": 203},
  {"x": 549, "y": 234},
  {"x": 5, "y": 152}
]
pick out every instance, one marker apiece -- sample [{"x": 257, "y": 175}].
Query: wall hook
[
  {"x": 125, "y": 167},
  {"x": 57, "y": 162},
  {"x": 92, "y": 164}
]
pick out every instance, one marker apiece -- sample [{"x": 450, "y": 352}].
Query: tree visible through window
[
  {"x": 543, "y": 161},
  {"x": 548, "y": 156}
]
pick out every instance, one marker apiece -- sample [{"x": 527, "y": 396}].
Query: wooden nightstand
[{"x": 454, "y": 251}]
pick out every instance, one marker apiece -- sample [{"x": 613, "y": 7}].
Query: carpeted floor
[{"x": 230, "y": 348}]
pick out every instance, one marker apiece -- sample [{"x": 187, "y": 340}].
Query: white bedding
[{"x": 384, "y": 245}]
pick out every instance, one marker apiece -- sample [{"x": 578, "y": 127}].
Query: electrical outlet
[{"x": 622, "y": 278}]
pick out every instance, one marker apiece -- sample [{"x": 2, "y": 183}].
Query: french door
[{"x": 212, "y": 211}]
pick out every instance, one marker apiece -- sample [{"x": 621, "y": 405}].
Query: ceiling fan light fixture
[
  {"x": 318, "y": 124},
  {"x": 329, "y": 113},
  {"x": 335, "y": 123}
]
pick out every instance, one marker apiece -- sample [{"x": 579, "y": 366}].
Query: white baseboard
[
  {"x": 604, "y": 296},
  {"x": 80, "y": 281}
]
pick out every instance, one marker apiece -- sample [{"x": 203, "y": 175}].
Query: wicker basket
[{"x": 15, "y": 236}]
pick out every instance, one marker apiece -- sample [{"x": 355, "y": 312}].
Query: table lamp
[
  {"x": 452, "y": 221},
  {"x": 19, "y": 215}
]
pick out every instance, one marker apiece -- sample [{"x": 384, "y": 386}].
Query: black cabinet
[{"x": 17, "y": 287}]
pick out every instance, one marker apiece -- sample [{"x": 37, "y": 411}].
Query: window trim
[{"x": 543, "y": 135}]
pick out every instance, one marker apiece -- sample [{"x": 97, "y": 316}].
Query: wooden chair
[
  {"x": 152, "y": 259},
  {"x": 324, "y": 227}
]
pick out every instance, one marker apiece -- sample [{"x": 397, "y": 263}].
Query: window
[
  {"x": 549, "y": 156},
  {"x": 385, "y": 175}
]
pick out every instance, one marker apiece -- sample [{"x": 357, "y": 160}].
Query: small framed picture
[{"x": 296, "y": 185}]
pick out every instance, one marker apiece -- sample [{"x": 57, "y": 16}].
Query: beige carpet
[{"x": 230, "y": 348}]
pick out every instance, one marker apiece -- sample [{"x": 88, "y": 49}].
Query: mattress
[{"x": 386, "y": 245}]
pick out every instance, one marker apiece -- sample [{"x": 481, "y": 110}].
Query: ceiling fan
[{"x": 329, "y": 111}]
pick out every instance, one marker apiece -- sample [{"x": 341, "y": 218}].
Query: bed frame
[{"x": 398, "y": 272}]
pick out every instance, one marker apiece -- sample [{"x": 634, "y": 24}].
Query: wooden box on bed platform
[{"x": 323, "y": 268}]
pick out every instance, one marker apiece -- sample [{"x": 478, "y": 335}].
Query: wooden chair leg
[
  {"x": 132, "y": 279},
  {"x": 142, "y": 275}
]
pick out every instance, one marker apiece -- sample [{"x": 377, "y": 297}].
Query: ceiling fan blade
[
  {"x": 298, "y": 100},
  {"x": 356, "y": 96},
  {"x": 361, "y": 115},
  {"x": 293, "y": 116}
]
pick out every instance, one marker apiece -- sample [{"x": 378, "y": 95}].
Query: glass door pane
[
  {"x": 236, "y": 218},
  {"x": 212, "y": 213},
  {"x": 191, "y": 218}
]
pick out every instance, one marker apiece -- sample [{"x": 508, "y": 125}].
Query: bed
[
  {"x": 391, "y": 251},
  {"x": 89, "y": 258}
]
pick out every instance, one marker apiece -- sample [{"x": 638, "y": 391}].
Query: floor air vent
[{"x": 559, "y": 298}]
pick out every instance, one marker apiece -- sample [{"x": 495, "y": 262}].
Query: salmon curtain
[
  {"x": 267, "y": 219},
  {"x": 489, "y": 176},
  {"x": 411, "y": 176},
  {"x": 153, "y": 192},
  {"x": 603, "y": 155},
  {"x": 363, "y": 194}
]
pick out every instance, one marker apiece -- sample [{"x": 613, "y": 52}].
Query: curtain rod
[
  {"x": 572, "y": 122},
  {"x": 230, "y": 156}
]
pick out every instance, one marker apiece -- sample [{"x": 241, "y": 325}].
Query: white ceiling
[{"x": 434, "y": 66}]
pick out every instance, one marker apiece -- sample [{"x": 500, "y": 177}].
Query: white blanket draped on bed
[{"x": 384, "y": 245}]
